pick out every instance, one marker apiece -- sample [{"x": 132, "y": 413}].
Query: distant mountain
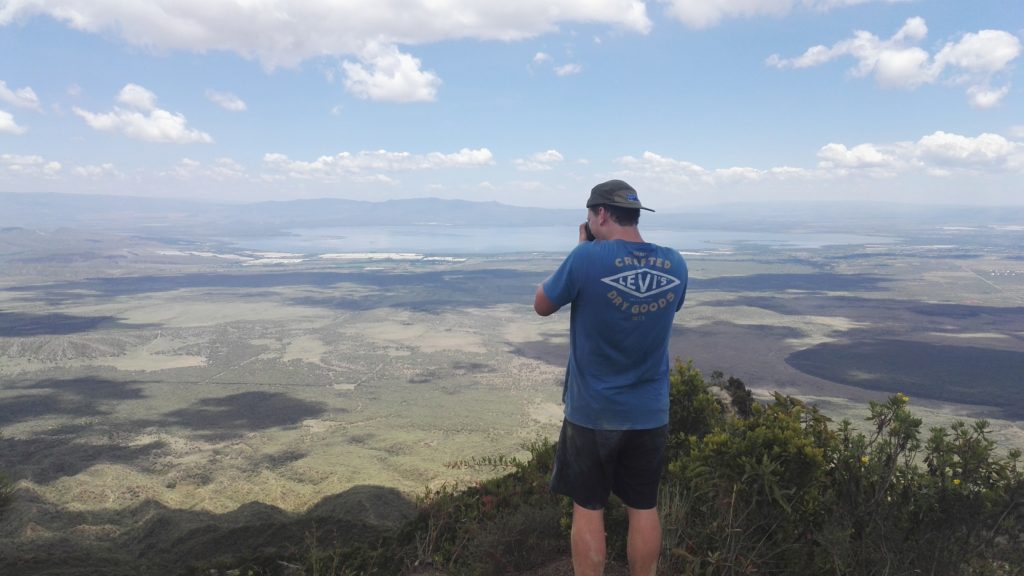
[
  {"x": 51, "y": 211},
  {"x": 200, "y": 219},
  {"x": 333, "y": 212}
]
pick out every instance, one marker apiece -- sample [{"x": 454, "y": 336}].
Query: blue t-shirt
[{"x": 624, "y": 297}]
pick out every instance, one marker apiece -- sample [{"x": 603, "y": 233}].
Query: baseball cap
[{"x": 615, "y": 193}]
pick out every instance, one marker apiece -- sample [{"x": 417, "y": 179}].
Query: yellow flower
[
  {"x": 956, "y": 481},
  {"x": 863, "y": 459}
]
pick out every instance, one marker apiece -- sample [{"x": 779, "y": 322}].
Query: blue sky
[{"x": 532, "y": 102}]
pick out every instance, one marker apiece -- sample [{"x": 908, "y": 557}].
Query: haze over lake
[{"x": 441, "y": 239}]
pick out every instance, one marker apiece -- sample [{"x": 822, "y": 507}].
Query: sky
[{"x": 529, "y": 103}]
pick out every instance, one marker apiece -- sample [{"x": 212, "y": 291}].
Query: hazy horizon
[{"x": 810, "y": 202}]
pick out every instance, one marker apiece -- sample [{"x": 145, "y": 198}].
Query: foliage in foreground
[
  {"x": 504, "y": 525},
  {"x": 749, "y": 489},
  {"x": 780, "y": 491}
]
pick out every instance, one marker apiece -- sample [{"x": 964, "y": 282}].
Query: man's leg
[
  {"x": 643, "y": 544},
  {"x": 588, "y": 547}
]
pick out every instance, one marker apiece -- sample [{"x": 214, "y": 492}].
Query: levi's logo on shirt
[{"x": 643, "y": 282}]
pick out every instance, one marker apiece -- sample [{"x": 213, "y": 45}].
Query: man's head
[{"x": 619, "y": 199}]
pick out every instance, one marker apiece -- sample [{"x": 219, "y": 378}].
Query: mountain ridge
[{"x": 49, "y": 211}]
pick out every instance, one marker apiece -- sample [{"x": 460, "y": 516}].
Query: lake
[{"x": 449, "y": 240}]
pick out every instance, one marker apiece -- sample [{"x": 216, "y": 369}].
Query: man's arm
[{"x": 541, "y": 304}]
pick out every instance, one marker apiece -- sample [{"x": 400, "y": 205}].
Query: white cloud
[
  {"x": 738, "y": 174},
  {"x": 227, "y": 169},
  {"x": 708, "y": 13},
  {"x": 546, "y": 60},
  {"x": 97, "y": 172},
  {"x": 366, "y": 163},
  {"x": 22, "y": 97},
  {"x": 936, "y": 154},
  {"x": 984, "y": 151},
  {"x": 287, "y": 32},
  {"x": 896, "y": 63},
  {"x": 185, "y": 169},
  {"x": 393, "y": 76},
  {"x": 982, "y": 97},
  {"x": 189, "y": 164},
  {"x": 662, "y": 165},
  {"x": 226, "y": 100},
  {"x": 539, "y": 161},
  {"x": 136, "y": 96},
  {"x": 860, "y": 156},
  {"x": 146, "y": 121},
  {"x": 549, "y": 156},
  {"x": 893, "y": 62},
  {"x": 8, "y": 125},
  {"x": 568, "y": 69},
  {"x": 987, "y": 51},
  {"x": 222, "y": 170},
  {"x": 22, "y": 166},
  {"x": 813, "y": 56},
  {"x": 939, "y": 154},
  {"x": 790, "y": 173},
  {"x": 903, "y": 68}
]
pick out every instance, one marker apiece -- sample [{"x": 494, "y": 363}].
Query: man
[{"x": 624, "y": 294}]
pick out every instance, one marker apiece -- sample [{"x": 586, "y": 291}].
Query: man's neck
[{"x": 627, "y": 233}]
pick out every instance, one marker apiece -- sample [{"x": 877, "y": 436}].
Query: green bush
[
  {"x": 781, "y": 492},
  {"x": 500, "y": 526}
]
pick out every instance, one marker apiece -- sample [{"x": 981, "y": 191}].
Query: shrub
[
  {"x": 693, "y": 411},
  {"x": 781, "y": 492},
  {"x": 504, "y": 525}
]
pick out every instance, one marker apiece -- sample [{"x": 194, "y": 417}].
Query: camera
[{"x": 590, "y": 235}]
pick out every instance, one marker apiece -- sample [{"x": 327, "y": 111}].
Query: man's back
[{"x": 624, "y": 296}]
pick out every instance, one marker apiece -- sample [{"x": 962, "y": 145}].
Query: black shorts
[{"x": 590, "y": 464}]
